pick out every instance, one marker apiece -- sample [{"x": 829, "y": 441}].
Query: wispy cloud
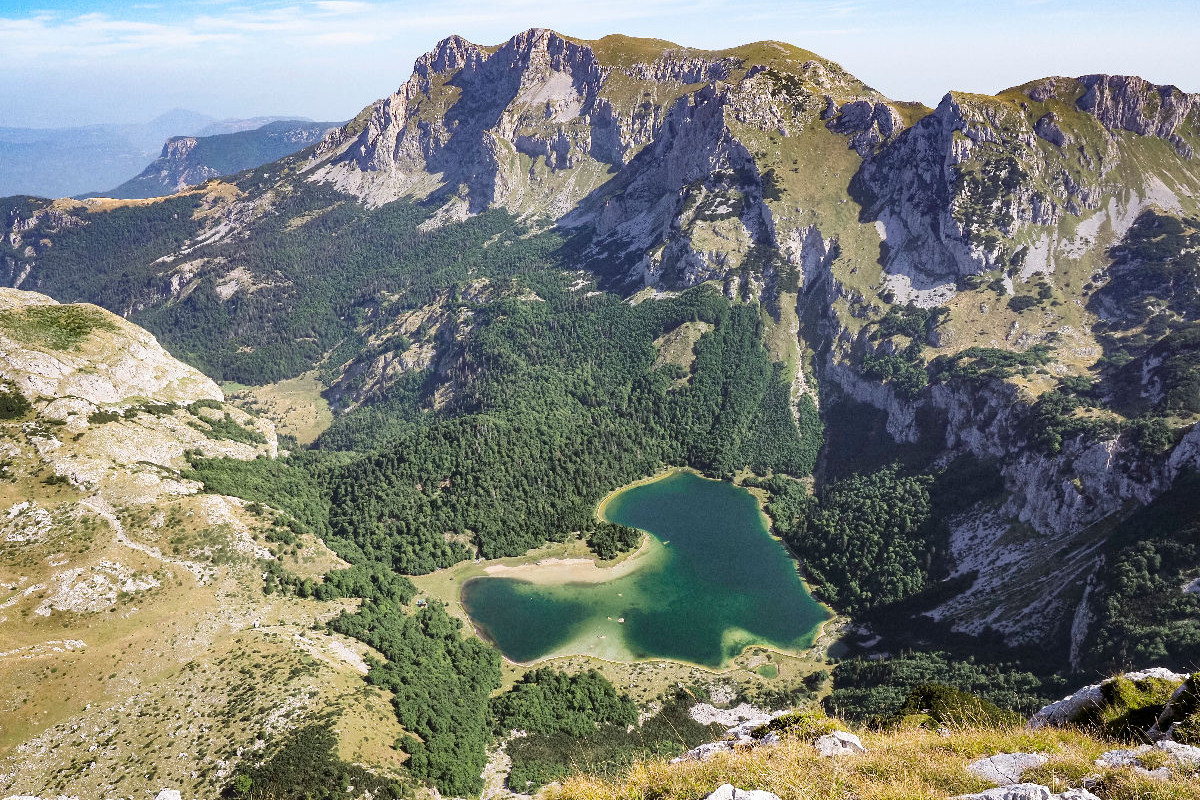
[
  {"x": 328, "y": 57},
  {"x": 82, "y": 38}
]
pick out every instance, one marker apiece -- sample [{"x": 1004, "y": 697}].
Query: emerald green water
[{"x": 712, "y": 582}]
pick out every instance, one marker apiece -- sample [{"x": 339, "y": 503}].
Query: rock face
[
  {"x": 1129, "y": 103},
  {"x": 969, "y": 187},
  {"x": 641, "y": 143},
  {"x": 630, "y": 136}
]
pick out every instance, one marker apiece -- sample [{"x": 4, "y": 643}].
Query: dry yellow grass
[
  {"x": 296, "y": 405},
  {"x": 901, "y": 765}
]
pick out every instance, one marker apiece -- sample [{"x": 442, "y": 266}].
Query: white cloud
[
  {"x": 346, "y": 23},
  {"x": 327, "y": 58},
  {"x": 342, "y": 6}
]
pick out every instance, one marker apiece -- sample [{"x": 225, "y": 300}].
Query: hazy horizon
[{"x": 76, "y": 63}]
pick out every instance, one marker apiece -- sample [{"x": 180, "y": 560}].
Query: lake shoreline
[
  {"x": 532, "y": 611},
  {"x": 655, "y": 478},
  {"x": 571, "y": 570}
]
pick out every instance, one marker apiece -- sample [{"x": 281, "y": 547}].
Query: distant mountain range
[
  {"x": 190, "y": 160},
  {"x": 64, "y": 162}
]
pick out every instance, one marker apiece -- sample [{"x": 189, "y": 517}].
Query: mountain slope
[
  {"x": 990, "y": 305},
  {"x": 133, "y": 619}
]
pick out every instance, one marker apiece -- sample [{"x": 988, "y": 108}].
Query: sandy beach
[{"x": 573, "y": 570}]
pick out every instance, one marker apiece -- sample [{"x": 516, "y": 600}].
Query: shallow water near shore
[{"x": 710, "y": 582}]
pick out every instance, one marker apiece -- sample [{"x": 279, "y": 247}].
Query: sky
[{"x": 70, "y": 62}]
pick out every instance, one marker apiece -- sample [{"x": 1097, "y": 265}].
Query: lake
[{"x": 710, "y": 581}]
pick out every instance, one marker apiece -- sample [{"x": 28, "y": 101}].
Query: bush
[
  {"x": 938, "y": 704},
  {"x": 1130, "y": 707},
  {"x": 806, "y": 725},
  {"x": 1150, "y": 434},
  {"x": 1021, "y": 302},
  {"x": 13, "y": 404}
]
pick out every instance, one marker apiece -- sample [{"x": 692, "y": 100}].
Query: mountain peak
[{"x": 470, "y": 113}]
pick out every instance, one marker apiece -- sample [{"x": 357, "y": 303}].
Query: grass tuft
[{"x": 907, "y": 763}]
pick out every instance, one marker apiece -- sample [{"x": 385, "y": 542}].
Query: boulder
[
  {"x": 705, "y": 751},
  {"x": 1076, "y": 706},
  {"x": 839, "y": 743},
  {"x": 168, "y": 794},
  {"x": 1006, "y": 768},
  {"x": 728, "y": 792}
]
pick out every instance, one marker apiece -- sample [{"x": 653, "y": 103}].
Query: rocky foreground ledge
[{"x": 1129, "y": 737}]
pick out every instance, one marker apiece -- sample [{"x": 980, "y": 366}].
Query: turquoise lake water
[{"x": 712, "y": 582}]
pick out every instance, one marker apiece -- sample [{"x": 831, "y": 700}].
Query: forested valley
[{"x": 550, "y": 394}]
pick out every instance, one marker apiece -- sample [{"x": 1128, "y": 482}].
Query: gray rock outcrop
[
  {"x": 1028, "y": 791},
  {"x": 1005, "y": 769},
  {"x": 116, "y": 363},
  {"x": 744, "y": 720},
  {"x": 1075, "y": 705},
  {"x": 728, "y": 792},
  {"x": 839, "y": 743},
  {"x": 1179, "y": 755}
]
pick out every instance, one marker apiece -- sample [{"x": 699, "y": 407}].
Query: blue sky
[{"x": 67, "y": 62}]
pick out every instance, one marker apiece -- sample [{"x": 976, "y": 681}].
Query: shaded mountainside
[
  {"x": 190, "y": 160},
  {"x": 542, "y": 269}
]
